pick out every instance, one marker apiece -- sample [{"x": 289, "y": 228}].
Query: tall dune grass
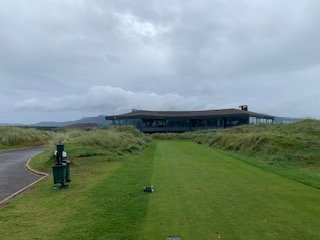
[
  {"x": 297, "y": 143},
  {"x": 114, "y": 138},
  {"x": 100, "y": 145},
  {"x": 292, "y": 150},
  {"x": 11, "y": 137}
]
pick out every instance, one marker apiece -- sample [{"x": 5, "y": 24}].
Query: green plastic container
[
  {"x": 67, "y": 170},
  {"x": 59, "y": 173}
]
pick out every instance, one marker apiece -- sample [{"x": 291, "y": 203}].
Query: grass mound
[
  {"x": 99, "y": 145},
  {"x": 297, "y": 143},
  {"x": 125, "y": 139},
  {"x": 290, "y": 150},
  {"x": 12, "y": 137}
]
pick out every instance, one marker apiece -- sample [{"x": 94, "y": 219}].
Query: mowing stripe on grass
[
  {"x": 200, "y": 192},
  {"x": 117, "y": 207}
]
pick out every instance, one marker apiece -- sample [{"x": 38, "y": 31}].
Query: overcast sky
[{"x": 66, "y": 59}]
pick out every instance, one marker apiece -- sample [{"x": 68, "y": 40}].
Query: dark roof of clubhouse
[{"x": 187, "y": 114}]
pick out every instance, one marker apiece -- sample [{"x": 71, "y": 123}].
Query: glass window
[
  {"x": 156, "y": 123},
  {"x": 235, "y": 121},
  {"x": 219, "y": 122},
  {"x": 252, "y": 120},
  {"x": 178, "y": 123},
  {"x": 198, "y": 123},
  {"x": 212, "y": 122}
]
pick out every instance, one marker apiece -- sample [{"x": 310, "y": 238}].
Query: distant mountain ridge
[{"x": 100, "y": 120}]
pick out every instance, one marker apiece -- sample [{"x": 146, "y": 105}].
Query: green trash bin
[
  {"x": 59, "y": 173},
  {"x": 67, "y": 170}
]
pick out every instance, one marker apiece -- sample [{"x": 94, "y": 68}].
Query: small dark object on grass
[
  {"x": 148, "y": 189},
  {"x": 173, "y": 238}
]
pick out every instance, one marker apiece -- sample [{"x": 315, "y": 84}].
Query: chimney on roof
[{"x": 244, "y": 107}]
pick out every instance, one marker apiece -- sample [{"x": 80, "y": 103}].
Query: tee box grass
[{"x": 200, "y": 193}]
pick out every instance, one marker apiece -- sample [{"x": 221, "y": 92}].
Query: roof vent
[
  {"x": 134, "y": 110},
  {"x": 244, "y": 107}
]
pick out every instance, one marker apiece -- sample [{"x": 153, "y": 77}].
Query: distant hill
[{"x": 99, "y": 120}]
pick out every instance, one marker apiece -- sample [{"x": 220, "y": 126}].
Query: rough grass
[
  {"x": 298, "y": 142},
  {"x": 86, "y": 147},
  {"x": 293, "y": 140},
  {"x": 15, "y": 137},
  {"x": 293, "y": 150}
]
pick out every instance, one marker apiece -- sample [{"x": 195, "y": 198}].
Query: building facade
[{"x": 183, "y": 121}]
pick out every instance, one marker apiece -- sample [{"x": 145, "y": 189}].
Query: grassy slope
[
  {"x": 290, "y": 150},
  {"x": 14, "y": 137},
  {"x": 296, "y": 144},
  {"x": 200, "y": 191},
  {"x": 89, "y": 147},
  {"x": 101, "y": 163}
]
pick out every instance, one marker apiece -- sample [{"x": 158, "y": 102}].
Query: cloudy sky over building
[{"x": 63, "y": 60}]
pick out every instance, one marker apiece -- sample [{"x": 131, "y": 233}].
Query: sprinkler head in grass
[{"x": 148, "y": 189}]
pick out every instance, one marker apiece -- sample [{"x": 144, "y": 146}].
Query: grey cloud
[
  {"x": 226, "y": 44},
  {"x": 218, "y": 53},
  {"x": 112, "y": 99}
]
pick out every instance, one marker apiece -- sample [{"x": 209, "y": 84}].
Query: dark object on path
[
  {"x": 148, "y": 189},
  {"x": 61, "y": 170}
]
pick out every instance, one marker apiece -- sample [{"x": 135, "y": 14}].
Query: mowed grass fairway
[{"x": 200, "y": 193}]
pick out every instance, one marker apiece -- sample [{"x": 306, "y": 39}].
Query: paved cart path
[{"x": 13, "y": 172}]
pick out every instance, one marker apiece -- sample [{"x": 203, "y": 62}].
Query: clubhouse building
[{"x": 183, "y": 121}]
